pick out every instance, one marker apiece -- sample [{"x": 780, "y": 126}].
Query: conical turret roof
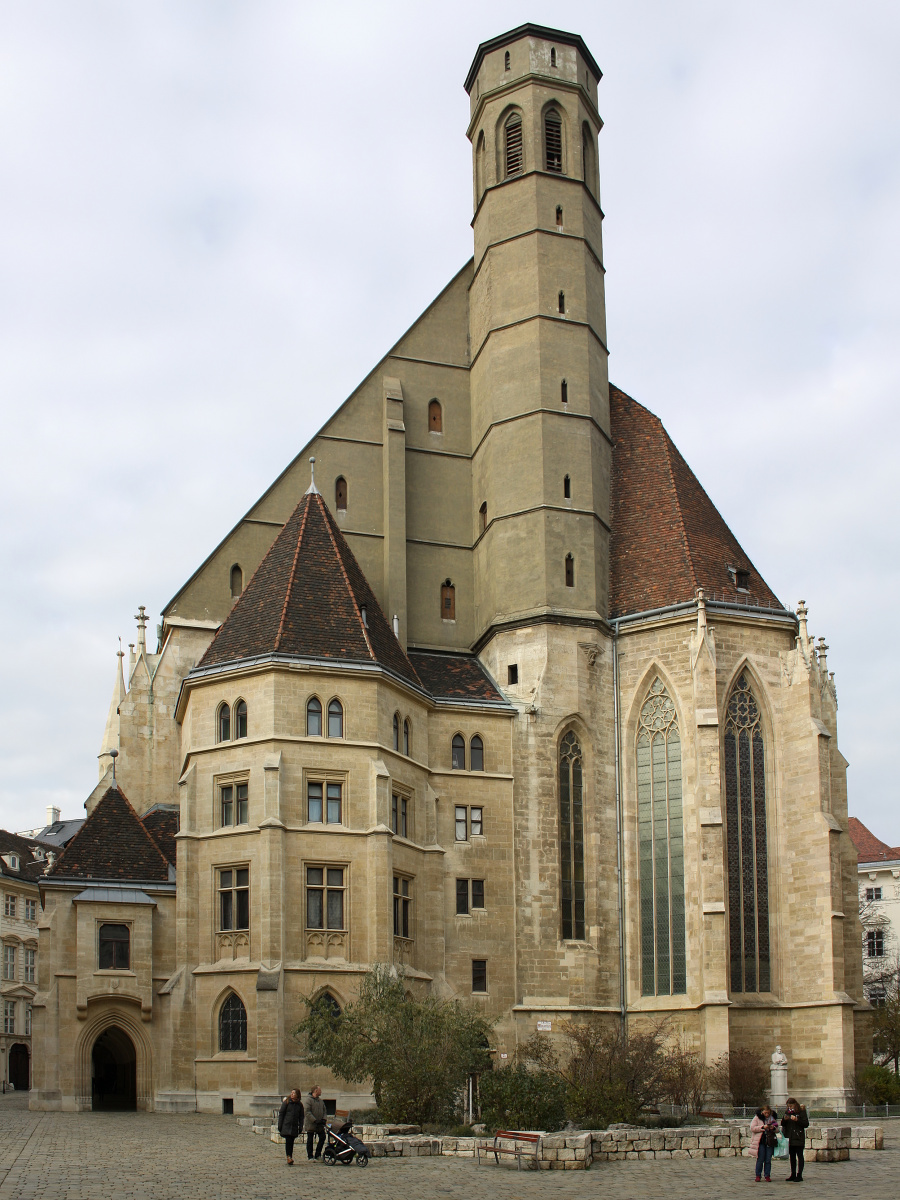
[{"x": 309, "y": 599}]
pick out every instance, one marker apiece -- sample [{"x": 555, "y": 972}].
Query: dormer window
[
  {"x": 364, "y": 613},
  {"x": 742, "y": 580},
  {"x": 13, "y": 860}
]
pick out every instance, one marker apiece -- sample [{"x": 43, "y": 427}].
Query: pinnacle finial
[
  {"x": 141, "y": 618},
  {"x": 701, "y": 609},
  {"x": 802, "y": 612},
  {"x": 312, "y": 490}
]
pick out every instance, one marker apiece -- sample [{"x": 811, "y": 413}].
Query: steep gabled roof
[
  {"x": 307, "y": 599},
  {"x": 30, "y": 866},
  {"x": 668, "y": 538},
  {"x": 870, "y": 848},
  {"x": 112, "y": 844},
  {"x": 162, "y": 825}
]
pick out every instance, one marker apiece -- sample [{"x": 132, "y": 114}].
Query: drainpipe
[{"x": 620, "y": 842}]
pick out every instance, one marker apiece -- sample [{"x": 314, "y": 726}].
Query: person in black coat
[
  {"x": 794, "y": 1123},
  {"x": 290, "y": 1122}
]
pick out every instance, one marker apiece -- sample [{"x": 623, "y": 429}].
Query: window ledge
[{"x": 107, "y": 973}]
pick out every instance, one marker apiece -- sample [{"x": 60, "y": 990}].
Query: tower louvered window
[
  {"x": 514, "y": 156},
  {"x": 571, "y": 838},
  {"x": 660, "y": 846},
  {"x": 748, "y": 867},
  {"x": 553, "y": 141}
]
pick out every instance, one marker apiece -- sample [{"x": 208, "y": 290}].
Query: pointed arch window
[
  {"x": 327, "y": 1005},
  {"x": 237, "y": 580},
  {"x": 240, "y": 719},
  {"x": 435, "y": 417},
  {"x": 406, "y": 738},
  {"x": 396, "y": 731},
  {"x": 335, "y": 719},
  {"x": 553, "y": 141},
  {"x": 746, "y": 841},
  {"x": 513, "y": 148},
  {"x": 660, "y": 846},
  {"x": 314, "y": 717},
  {"x": 458, "y": 753},
  {"x": 340, "y": 494},
  {"x": 476, "y": 754},
  {"x": 233, "y": 1025},
  {"x": 223, "y": 724},
  {"x": 571, "y": 838}
]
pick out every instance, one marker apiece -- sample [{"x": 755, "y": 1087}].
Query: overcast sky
[{"x": 215, "y": 217}]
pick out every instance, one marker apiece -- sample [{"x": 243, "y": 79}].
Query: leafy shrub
[
  {"x": 877, "y": 1085},
  {"x": 515, "y": 1097}
]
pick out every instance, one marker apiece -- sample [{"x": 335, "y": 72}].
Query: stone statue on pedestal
[{"x": 778, "y": 1092}]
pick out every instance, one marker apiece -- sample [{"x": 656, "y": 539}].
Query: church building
[{"x": 483, "y": 686}]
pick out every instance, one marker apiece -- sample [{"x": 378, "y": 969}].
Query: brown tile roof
[
  {"x": 306, "y": 599},
  {"x": 868, "y": 846},
  {"x": 454, "y": 676},
  {"x": 112, "y": 844},
  {"x": 31, "y": 867},
  {"x": 668, "y": 538},
  {"x": 162, "y": 825}
]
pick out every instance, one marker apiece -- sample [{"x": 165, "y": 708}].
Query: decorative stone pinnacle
[
  {"x": 823, "y": 650},
  {"x": 141, "y": 618},
  {"x": 701, "y": 609},
  {"x": 801, "y": 617}
]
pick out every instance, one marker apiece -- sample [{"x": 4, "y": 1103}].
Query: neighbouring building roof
[
  {"x": 454, "y": 676},
  {"x": 113, "y": 844},
  {"x": 870, "y": 848},
  {"x": 307, "y": 599},
  {"x": 162, "y": 823},
  {"x": 32, "y": 856},
  {"x": 668, "y": 538},
  {"x": 60, "y": 832}
]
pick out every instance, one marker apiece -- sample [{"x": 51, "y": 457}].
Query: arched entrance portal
[
  {"x": 113, "y": 1071},
  {"x": 20, "y": 1067}
]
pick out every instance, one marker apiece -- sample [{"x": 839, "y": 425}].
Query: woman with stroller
[
  {"x": 794, "y": 1123},
  {"x": 290, "y": 1122},
  {"x": 764, "y": 1131}
]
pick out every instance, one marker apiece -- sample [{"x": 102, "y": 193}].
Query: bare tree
[
  {"x": 741, "y": 1074},
  {"x": 881, "y": 980},
  {"x": 685, "y": 1077}
]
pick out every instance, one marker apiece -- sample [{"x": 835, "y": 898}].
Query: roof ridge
[
  {"x": 154, "y": 841},
  {"x": 292, "y": 573},
  {"x": 55, "y": 870},
  {"x": 362, "y": 624},
  {"x": 684, "y": 535}
]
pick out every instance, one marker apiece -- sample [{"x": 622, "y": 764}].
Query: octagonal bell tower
[{"x": 537, "y": 327}]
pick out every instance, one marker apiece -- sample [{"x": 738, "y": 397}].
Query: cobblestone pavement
[{"x": 140, "y": 1156}]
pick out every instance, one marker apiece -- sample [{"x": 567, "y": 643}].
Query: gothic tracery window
[
  {"x": 571, "y": 838},
  {"x": 747, "y": 852},
  {"x": 660, "y": 846},
  {"x": 232, "y": 1025}
]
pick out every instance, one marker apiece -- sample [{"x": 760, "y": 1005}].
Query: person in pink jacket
[{"x": 764, "y": 1130}]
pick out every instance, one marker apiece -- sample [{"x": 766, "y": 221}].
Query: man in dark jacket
[
  {"x": 290, "y": 1122},
  {"x": 314, "y": 1122},
  {"x": 794, "y": 1123}
]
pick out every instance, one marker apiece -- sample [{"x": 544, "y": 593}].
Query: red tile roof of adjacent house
[
  {"x": 668, "y": 538},
  {"x": 112, "y": 844},
  {"x": 307, "y": 598},
  {"x": 868, "y": 846}
]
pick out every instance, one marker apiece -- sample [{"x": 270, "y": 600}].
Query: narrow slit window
[
  {"x": 571, "y": 839},
  {"x": 514, "y": 156},
  {"x": 237, "y": 581},
  {"x": 552, "y": 56},
  {"x": 314, "y": 717},
  {"x": 506, "y": 61},
  {"x": 570, "y": 571},
  {"x": 561, "y": 302},
  {"x": 567, "y": 488},
  {"x": 448, "y": 601},
  {"x": 564, "y": 389},
  {"x": 402, "y": 906},
  {"x": 559, "y": 216},
  {"x": 435, "y": 417},
  {"x": 406, "y": 738},
  {"x": 396, "y": 731},
  {"x": 482, "y": 517},
  {"x": 553, "y": 142},
  {"x": 340, "y": 494}
]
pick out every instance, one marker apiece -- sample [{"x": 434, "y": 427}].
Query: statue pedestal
[{"x": 778, "y": 1093}]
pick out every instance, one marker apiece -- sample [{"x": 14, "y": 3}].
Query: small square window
[
  {"x": 512, "y": 674},
  {"x": 873, "y": 893},
  {"x": 479, "y": 975}
]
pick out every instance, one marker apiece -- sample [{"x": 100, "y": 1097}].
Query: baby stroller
[{"x": 343, "y": 1147}]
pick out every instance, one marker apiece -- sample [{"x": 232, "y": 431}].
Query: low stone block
[
  {"x": 696, "y": 1153},
  {"x": 645, "y": 1154},
  {"x": 681, "y": 1154},
  {"x": 631, "y": 1154},
  {"x": 690, "y": 1143}
]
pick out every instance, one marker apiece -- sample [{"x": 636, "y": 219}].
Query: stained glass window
[
  {"x": 232, "y": 1025},
  {"x": 745, "y": 820},
  {"x": 660, "y": 846},
  {"x": 571, "y": 838}
]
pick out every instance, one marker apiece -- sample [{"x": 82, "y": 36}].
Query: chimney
[{"x": 52, "y": 814}]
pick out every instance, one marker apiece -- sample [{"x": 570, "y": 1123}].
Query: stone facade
[{"x": 495, "y": 492}]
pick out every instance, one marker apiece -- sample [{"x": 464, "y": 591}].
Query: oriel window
[
  {"x": 234, "y": 898},
  {"x": 115, "y": 948},
  {"x": 325, "y": 897},
  {"x": 235, "y": 803},
  {"x": 400, "y": 815},
  {"x": 324, "y": 803}
]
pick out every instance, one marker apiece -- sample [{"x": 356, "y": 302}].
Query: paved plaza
[{"x": 140, "y": 1156}]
